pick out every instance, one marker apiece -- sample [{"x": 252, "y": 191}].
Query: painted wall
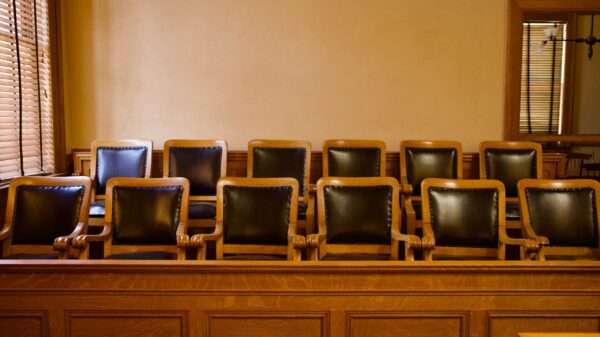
[
  {"x": 587, "y": 81},
  {"x": 288, "y": 69}
]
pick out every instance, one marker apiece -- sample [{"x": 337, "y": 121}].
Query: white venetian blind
[
  {"x": 541, "y": 79},
  {"x": 26, "y": 139}
]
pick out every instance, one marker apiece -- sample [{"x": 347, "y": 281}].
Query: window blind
[
  {"x": 541, "y": 79},
  {"x": 26, "y": 139}
]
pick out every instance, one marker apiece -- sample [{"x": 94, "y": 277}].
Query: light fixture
[{"x": 551, "y": 36}]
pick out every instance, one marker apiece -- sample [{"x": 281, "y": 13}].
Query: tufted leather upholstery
[
  {"x": 271, "y": 162},
  {"x": 126, "y": 161},
  {"x": 146, "y": 215},
  {"x": 43, "y": 213},
  {"x": 567, "y": 217},
  {"x": 464, "y": 217},
  {"x": 358, "y": 214},
  {"x": 510, "y": 166},
  {"x": 422, "y": 163},
  {"x": 256, "y": 215},
  {"x": 97, "y": 209},
  {"x": 200, "y": 165},
  {"x": 353, "y": 162}
]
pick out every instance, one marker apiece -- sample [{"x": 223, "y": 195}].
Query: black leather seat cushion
[
  {"x": 512, "y": 212},
  {"x": 566, "y": 216},
  {"x": 464, "y": 217},
  {"x": 43, "y": 213},
  {"x": 97, "y": 209},
  {"x": 200, "y": 165},
  {"x": 358, "y": 215},
  {"x": 256, "y": 215},
  {"x": 158, "y": 255},
  {"x": 271, "y": 162},
  {"x": 126, "y": 161},
  {"x": 422, "y": 163},
  {"x": 146, "y": 215},
  {"x": 354, "y": 162},
  {"x": 510, "y": 166},
  {"x": 202, "y": 210}
]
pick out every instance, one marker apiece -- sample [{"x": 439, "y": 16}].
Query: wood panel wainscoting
[
  {"x": 289, "y": 299},
  {"x": 553, "y": 164}
]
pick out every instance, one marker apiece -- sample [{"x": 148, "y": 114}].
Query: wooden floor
[{"x": 449, "y": 299}]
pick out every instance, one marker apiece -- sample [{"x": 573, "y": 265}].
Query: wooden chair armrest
[
  {"x": 314, "y": 240},
  {"x": 183, "y": 240},
  {"x": 412, "y": 241},
  {"x": 76, "y": 173},
  {"x": 312, "y": 189},
  {"x": 5, "y": 233},
  {"x": 199, "y": 240},
  {"x": 409, "y": 208},
  {"x": 62, "y": 243},
  {"x": 428, "y": 239},
  {"x": 407, "y": 188},
  {"x": 528, "y": 244},
  {"x": 297, "y": 241},
  {"x": 82, "y": 241}
]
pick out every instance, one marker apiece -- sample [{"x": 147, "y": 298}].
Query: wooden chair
[
  {"x": 202, "y": 162},
  {"x": 354, "y": 158},
  {"x": 359, "y": 218},
  {"x": 256, "y": 219},
  {"x": 510, "y": 162},
  {"x": 562, "y": 215},
  {"x": 466, "y": 218},
  {"x": 421, "y": 159},
  {"x": 116, "y": 158},
  {"x": 144, "y": 220},
  {"x": 43, "y": 215},
  {"x": 285, "y": 158}
]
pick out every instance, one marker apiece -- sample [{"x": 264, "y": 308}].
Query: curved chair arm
[
  {"x": 407, "y": 188},
  {"x": 296, "y": 244},
  {"x": 5, "y": 232},
  {"x": 312, "y": 189},
  {"x": 82, "y": 241},
  {"x": 63, "y": 243},
  {"x": 427, "y": 241},
  {"x": 313, "y": 244},
  {"x": 199, "y": 240},
  {"x": 411, "y": 242},
  {"x": 411, "y": 216},
  {"x": 183, "y": 239},
  {"x": 528, "y": 244}
]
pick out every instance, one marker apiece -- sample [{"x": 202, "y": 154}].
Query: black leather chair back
[
  {"x": 510, "y": 166},
  {"x": 126, "y": 161},
  {"x": 358, "y": 214},
  {"x": 422, "y": 163},
  {"x": 256, "y": 215},
  {"x": 43, "y": 213},
  {"x": 278, "y": 162},
  {"x": 146, "y": 215},
  {"x": 354, "y": 162},
  {"x": 200, "y": 165},
  {"x": 464, "y": 217},
  {"x": 567, "y": 217}
]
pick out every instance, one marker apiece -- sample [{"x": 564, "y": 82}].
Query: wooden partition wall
[
  {"x": 297, "y": 299},
  {"x": 554, "y": 164}
]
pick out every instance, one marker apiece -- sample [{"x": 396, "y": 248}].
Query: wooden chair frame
[
  {"x": 307, "y": 195},
  {"x": 428, "y": 240},
  {"x": 407, "y": 198},
  {"x": 542, "y": 240},
  {"x": 317, "y": 243},
  {"x": 196, "y": 144},
  {"x": 506, "y": 145},
  {"x": 61, "y": 244},
  {"x": 296, "y": 243},
  {"x": 355, "y": 143},
  {"x": 82, "y": 242}
]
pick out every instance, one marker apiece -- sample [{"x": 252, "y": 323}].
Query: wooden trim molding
[
  {"x": 516, "y": 11},
  {"x": 61, "y": 163}
]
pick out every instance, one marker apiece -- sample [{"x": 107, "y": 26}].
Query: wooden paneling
[
  {"x": 251, "y": 298},
  {"x": 24, "y": 323},
  {"x": 126, "y": 324},
  {"x": 554, "y": 164},
  {"x": 508, "y": 325},
  {"x": 267, "y": 324},
  {"x": 425, "y": 324}
]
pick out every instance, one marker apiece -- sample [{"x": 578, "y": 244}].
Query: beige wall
[
  {"x": 290, "y": 69},
  {"x": 586, "y": 108}
]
